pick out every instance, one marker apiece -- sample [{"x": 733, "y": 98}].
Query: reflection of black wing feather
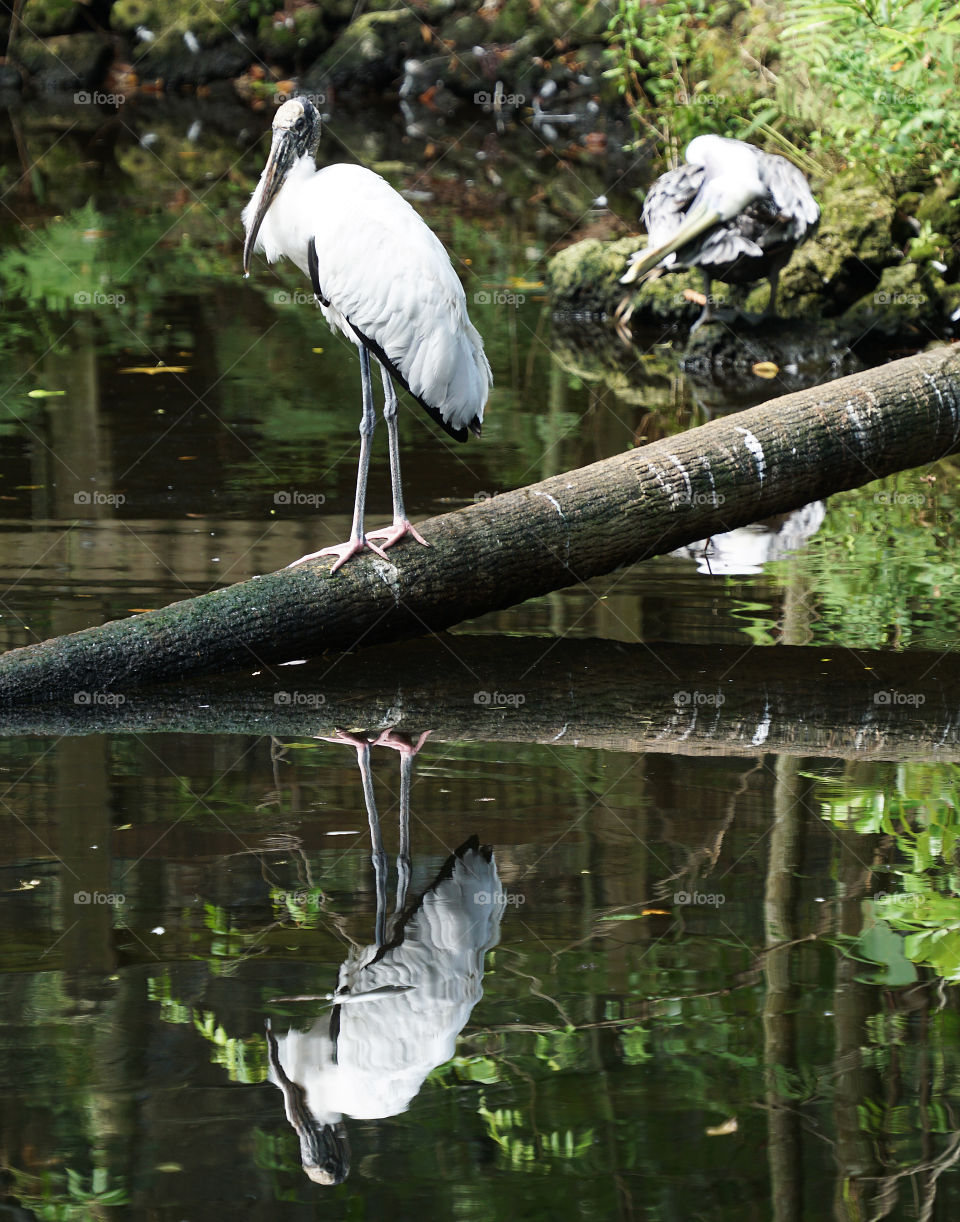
[{"x": 668, "y": 200}]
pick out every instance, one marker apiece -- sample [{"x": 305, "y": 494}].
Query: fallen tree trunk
[
  {"x": 748, "y": 466},
  {"x": 671, "y": 699}
]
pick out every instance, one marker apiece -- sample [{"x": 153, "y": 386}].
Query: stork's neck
[{"x": 290, "y": 223}]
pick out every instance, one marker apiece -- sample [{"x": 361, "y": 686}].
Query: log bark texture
[{"x": 728, "y": 473}]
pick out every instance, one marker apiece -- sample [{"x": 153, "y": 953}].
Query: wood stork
[
  {"x": 401, "y": 1002},
  {"x": 383, "y": 279},
  {"x": 731, "y": 210}
]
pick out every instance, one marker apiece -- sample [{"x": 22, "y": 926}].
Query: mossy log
[
  {"x": 521, "y": 544},
  {"x": 605, "y": 695}
]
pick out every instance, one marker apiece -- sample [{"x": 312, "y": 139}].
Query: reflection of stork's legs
[
  {"x": 377, "y": 855},
  {"x": 397, "y": 742},
  {"x": 401, "y": 523}
]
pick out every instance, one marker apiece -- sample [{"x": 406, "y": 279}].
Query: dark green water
[{"x": 727, "y": 931}]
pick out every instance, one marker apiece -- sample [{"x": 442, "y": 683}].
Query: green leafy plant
[
  {"x": 665, "y": 60},
  {"x": 877, "y": 82}
]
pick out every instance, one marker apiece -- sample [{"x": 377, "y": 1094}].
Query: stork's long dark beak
[
  {"x": 698, "y": 220},
  {"x": 282, "y": 156}
]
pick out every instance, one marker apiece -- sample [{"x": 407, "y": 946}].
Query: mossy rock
[
  {"x": 585, "y": 278},
  {"x": 370, "y": 51},
  {"x": 43, "y": 18},
  {"x": 169, "y": 20},
  {"x": 69, "y": 62},
  {"x": 303, "y": 41},
  {"x": 512, "y": 22},
  {"x": 465, "y": 30},
  {"x": 908, "y": 300},
  {"x": 575, "y": 22}
]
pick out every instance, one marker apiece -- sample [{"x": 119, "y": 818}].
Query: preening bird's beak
[
  {"x": 698, "y": 220},
  {"x": 271, "y": 180}
]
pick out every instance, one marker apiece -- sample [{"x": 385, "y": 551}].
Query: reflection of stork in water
[{"x": 401, "y": 1002}]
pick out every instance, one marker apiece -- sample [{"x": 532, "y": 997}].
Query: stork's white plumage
[
  {"x": 731, "y": 210},
  {"x": 383, "y": 278}
]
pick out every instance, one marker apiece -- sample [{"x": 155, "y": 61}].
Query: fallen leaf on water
[
  {"x": 44, "y": 394},
  {"x": 699, "y": 299},
  {"x": 186, "y": 458},
  {"x": 766, "y": 369},
  {"x": 151, "y": 369},
  {"x": 655, "y": 912},
  {"x": 723, "y": 1130}
]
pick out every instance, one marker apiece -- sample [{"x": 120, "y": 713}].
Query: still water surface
[{"x": 704, "y": 968}]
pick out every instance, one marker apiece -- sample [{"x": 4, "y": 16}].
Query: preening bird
[
  {"x": 400, "y": 1002},
  {"x": 731, "y": 210},
  {"x": 382, "y": 277}
]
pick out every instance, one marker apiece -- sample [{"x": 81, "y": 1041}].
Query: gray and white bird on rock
[
  {"x": 731, "y": 210},
  {"x": 382, "y": 278}
]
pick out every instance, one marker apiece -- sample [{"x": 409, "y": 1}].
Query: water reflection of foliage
[{"x": 919, "y": 810}]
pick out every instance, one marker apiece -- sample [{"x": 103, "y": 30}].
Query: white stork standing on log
[
  {"x": 401, "y": 1002},
  {"x": 731, "y": 210},
  {"x": 382, "y": 277}
]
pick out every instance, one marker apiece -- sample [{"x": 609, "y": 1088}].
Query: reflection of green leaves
[
  {"x": 919, "y": 922},
  {"x": 55, "y": 1197},
  {"x": 880, "y": 944}
]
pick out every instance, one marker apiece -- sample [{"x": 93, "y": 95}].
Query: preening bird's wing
[
  {"x": 791, "y": 194},
  {"x": 385, "y": 273},
  {"x": 668, "y": 200}
]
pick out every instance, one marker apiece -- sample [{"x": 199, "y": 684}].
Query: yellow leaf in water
[
  {"x": 151, "y": 369},
  {"x": 766, "y": 369},
  {"x": 44, "y": 394},
  {"x": 723, "y": 1130},
  {"x": 697, "y": 298}
]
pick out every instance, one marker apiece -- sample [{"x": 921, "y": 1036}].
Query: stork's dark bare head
[{"x": 296, "y": 133}]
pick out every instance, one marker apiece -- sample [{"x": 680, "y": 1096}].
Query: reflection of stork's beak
[
  {"x": 697, "y": 221},
  {"x": 271, "y": 180}
]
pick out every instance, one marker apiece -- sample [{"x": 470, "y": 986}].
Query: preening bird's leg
[
  {"x": 368, "y": 421},
  {"x": 401, "y": 523},
  {"x": 706, "y": 314},
  {"x": 771, "y": 308}
]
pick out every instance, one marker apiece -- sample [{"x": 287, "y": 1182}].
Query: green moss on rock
[
  {"x": 43, "y": 18},
  {"x": 370, "y": 51}
]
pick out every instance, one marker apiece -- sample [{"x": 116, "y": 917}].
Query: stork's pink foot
[
  {"x": 343, "y": 552},
  {"x": 391, "y": 534}
]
